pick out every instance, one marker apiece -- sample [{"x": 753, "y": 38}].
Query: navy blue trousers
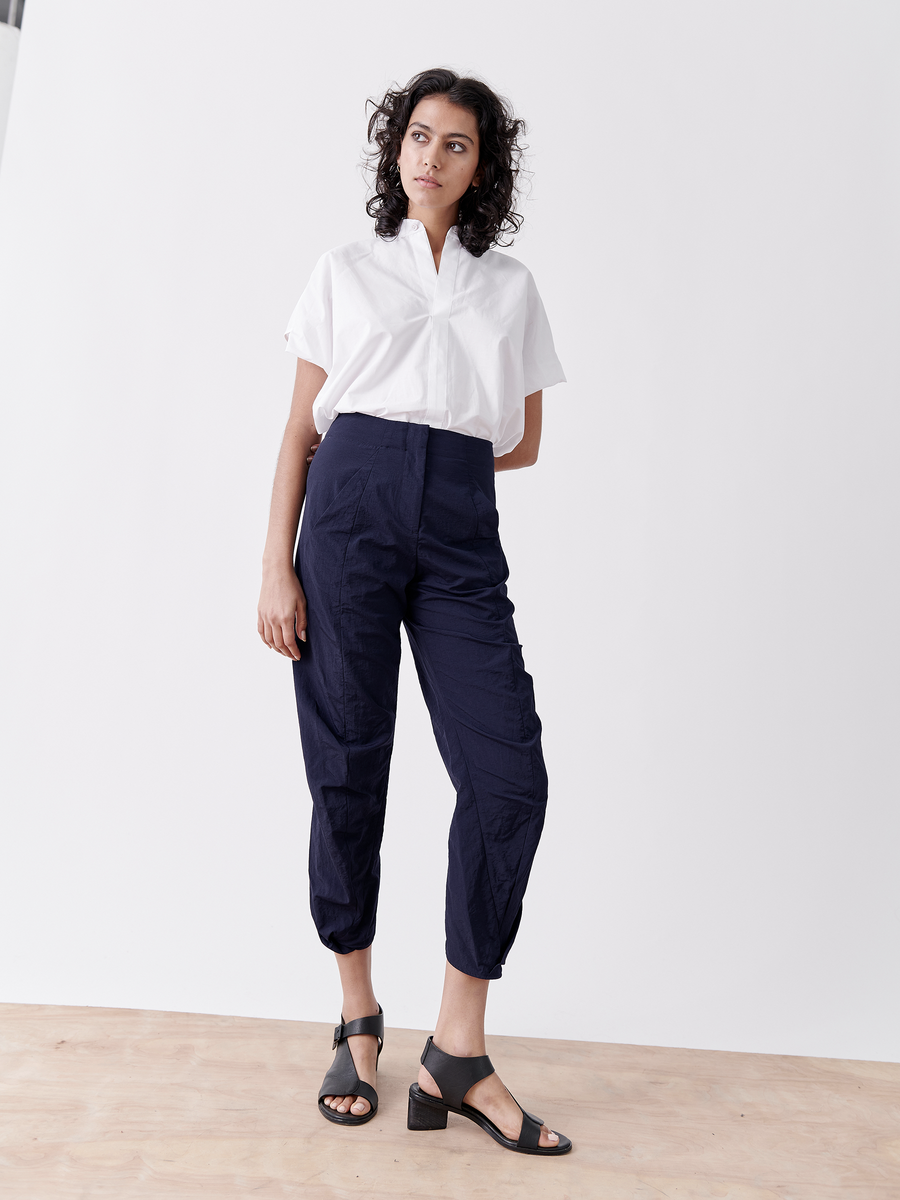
[{"x": 400, "y": 526}]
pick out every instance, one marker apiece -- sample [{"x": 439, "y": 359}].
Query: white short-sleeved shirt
[{"x": 456, "y": 349}]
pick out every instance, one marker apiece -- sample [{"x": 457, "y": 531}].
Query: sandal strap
[
  {"x": 530, "y": 1134},
  {"x": 367, "y": 1092},
  {"x": 348, "y": 1083},
  {"x": 371, "y": 1025},
  {"x": 342, "y": 1078},
  {"x": 454, "y": 1075}
]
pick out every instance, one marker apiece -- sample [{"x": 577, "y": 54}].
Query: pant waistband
[{"x": 381, "y": 431}]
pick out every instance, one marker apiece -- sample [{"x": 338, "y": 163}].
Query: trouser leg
[
  {"x": 350, "y": 562},
  {"x": 460, "y": 625}
]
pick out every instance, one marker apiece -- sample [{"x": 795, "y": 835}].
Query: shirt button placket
[{"x": 439, "y": 333}]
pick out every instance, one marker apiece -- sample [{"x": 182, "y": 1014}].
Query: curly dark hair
[{"x": 486, "y": 213}]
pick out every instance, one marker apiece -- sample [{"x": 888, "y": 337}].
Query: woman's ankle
[
  {"x": 359, "y": 1004},
  {"x": 459, "y": 1041}
]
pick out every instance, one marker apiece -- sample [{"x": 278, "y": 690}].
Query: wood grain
[{"x": 127, "y": 1103}]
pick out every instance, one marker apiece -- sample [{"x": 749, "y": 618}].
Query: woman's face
[{"x": 438, "y": 157}]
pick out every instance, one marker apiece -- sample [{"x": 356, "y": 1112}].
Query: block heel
[{"x": 420, "y": 1115}]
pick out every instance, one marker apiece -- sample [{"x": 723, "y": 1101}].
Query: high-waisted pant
[{"x": 400, "y": 525}]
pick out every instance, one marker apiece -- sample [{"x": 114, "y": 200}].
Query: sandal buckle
[{"x": 338, "y": 1034}]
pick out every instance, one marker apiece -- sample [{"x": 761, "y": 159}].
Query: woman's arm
[
  {"x": 525, "y": 454},
  {"x": 282, "y": 604}
]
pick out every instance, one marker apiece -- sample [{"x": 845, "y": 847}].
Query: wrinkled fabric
[{"x": 400, "y": 526}]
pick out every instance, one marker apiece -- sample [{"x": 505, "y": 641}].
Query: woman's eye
[{"x": 461, "y": 147}]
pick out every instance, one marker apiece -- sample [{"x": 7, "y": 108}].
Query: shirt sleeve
[
  {"x": 310, "y": 331},
  {"x": 542, "y": 368}
]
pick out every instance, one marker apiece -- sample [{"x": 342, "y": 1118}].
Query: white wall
[
  {"x": 704, "y": 561},
  {"x": 9, "y": 46}
]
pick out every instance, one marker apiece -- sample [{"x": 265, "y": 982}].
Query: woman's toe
[
  {"x": 548, "y": 1137},
  {"x": 354, "y": 1104}
]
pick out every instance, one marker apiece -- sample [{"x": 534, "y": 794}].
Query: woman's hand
[
  {"x": 281, "y": 615},
  {"x": 282, "y": 612},
  {"x": 312, "y": 451}
]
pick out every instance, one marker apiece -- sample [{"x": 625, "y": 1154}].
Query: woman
[{"x": 422, "y": 356}]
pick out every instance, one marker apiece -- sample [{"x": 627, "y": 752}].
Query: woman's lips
[{"x": 427, "y": 181}]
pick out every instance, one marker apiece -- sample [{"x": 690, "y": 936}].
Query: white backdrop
[
  {"x": 704, "y": 561},
  {"x": 9, "y": 45}
]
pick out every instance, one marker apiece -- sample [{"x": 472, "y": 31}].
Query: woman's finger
[
  {"x": 277, "y": 642},
  {"x": 300, "y": 615},
  {"x": 291, "y": 648}
]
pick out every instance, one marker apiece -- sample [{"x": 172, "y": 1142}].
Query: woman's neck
[{"x": 437, "y": 222}]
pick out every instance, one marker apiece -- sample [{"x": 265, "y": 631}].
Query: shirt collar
[{"x": 410, "y": 228}]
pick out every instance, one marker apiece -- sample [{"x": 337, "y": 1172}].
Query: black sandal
[
  {"x": 454, "y": 1076},
  {"x": 342, "y": 1078}
]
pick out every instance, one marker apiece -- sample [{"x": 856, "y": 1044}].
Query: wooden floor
[{"x": 125, "y": 1103}]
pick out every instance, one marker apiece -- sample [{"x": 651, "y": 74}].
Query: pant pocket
[
  {"x": 335, "y": 482},
  {"x": 487, "y": 519}
]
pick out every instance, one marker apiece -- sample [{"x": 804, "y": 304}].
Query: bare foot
[
  {"x": 490, "y": 1097},
  {"x": 364, "y": 1052}
]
